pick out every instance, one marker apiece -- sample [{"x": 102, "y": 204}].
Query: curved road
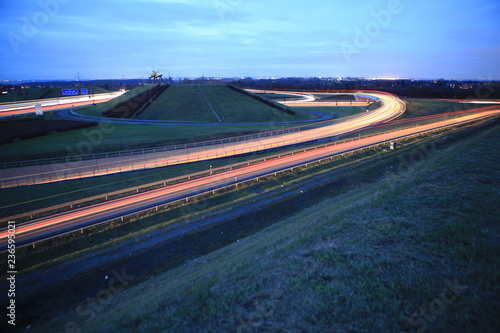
[
  {"x": 75, "y": 219},
  {"x": 52, "y": 104},
  {"x": 391, "y": 107},
  {"x": 72, "y": 115}
]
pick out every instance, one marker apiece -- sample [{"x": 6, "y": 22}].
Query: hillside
[
  {"x": 415, "y": 250},
  {"x": 195, "y": 103},
  {"x": 98, "y": 109}
]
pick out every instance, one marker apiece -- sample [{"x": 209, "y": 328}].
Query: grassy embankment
[
  {"x": 98, "y": 109},
  {"x": 340, "y": 111},
  {"x": 370, "y": 258},
  {"x": 185, "y": 102},
  {"x": 279, "y": 97},
  {"x": 181, "y": 103},
  {"x": 336, "y": 111}
]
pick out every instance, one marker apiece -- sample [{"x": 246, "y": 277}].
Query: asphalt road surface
[
  {"x": 75, "y": 219},
  {"x": 391, "y": 107},
  {"x": 28, "y": 107}
]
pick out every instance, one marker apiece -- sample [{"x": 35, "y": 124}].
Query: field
[
  {"x": 186, "y": 103},
  {"x": 333, "y": 98},
  {"x": 279, "y": 97},
  {"x": 420, "y": 107},
  {"x": 180, "y": 102},
  {"x": 363, "y": 252},
  {"x": 340, "y": 111},
  {"x": 319, "y": 97}
]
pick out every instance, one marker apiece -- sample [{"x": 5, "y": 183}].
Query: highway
[
  {"x": 391, "y": 107},
  {"x": 308, "y": 99},
  {"x": 75, "y": 219},
  {"x": 52, "y": 104}
]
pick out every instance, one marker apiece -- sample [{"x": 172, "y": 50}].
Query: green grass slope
[
  {"x": 186, "y": 103},
  {"x": 425, "y": 107},
  {"x": 415, "y": 251},
  {"x": 180, "y": 102},
  {"x": 98, "y": 109}
]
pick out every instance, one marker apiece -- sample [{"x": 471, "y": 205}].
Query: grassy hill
[
  {"x": 99, "y": 109},
  {"x": 180, "y": 102},
  {"x": 412, "y": 243},
  {"x": 369, "y": 260},
  {"x": 186, "y": 103}
]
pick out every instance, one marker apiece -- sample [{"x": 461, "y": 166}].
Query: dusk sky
[{"x": 452, "y": 39}]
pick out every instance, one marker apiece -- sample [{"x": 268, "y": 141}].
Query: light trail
[
  {"x": 52, "y": 104},
  {"x": 391, "y": 107},
  {"x": 78, "y": 218}
]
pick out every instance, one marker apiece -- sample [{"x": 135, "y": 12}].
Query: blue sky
[{"x": 55, "y": 39}]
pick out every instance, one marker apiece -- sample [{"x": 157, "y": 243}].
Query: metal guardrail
[
  {"x": 54, "y": 176},
  {"x": 156, "y": 207},
  {"x": 132, "y": 152},
  {"x": 60, "y": 100},
  {"x": 75, "y": 173},
  {"x": 73, "y": 158},
  {"x": 177, "y": 180}
]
